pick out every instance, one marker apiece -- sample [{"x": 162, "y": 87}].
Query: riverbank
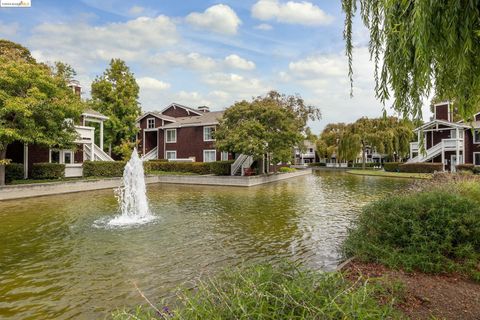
[
  {"x": 19, "y": 191},
  {"x": 381, "y": 173}
]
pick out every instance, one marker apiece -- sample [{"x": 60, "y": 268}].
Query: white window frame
[
  {"x": 205, "y": 130},
  {"x": 223, "y": 156},
  {"x": 166, "y": 135},
  {"x": 477, "y": 164},
  {"x": 171, "y": 151},
  {"x": 474, "y": 140},
  {"x": 72, "y": 159},
  {"x": 61, "y": 156},
  {"x": 148, "y": 123},
  {"x": 210, "y": 150}
]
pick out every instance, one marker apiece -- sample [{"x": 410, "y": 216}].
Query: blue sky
[{"x": 206, "y": 52}]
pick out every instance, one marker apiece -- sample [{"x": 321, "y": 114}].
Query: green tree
[
  {"x": 269, "y": 125},
  {"x": 420, "y": 46},
  {"x": 34, "y": 103},
  {"x": 327, "y": 143},
  {"x": 115, "y": 94}
]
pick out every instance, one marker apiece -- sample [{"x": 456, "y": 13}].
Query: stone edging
[{"x": 52, "y": 188}]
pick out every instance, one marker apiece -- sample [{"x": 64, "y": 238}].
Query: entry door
[{"x": 453, "y": 161}]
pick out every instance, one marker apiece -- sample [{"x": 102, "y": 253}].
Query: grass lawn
[{"x": 380, "y": 173}]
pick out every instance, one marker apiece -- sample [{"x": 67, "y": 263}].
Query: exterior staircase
[
  {"x": 99, "y": 154},
  {"x": 243, "y": 161},
  {"x": 150, "y": 155},
  {"x": 436, "y": 150}
]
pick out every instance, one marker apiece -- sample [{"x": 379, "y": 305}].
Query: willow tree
[
  {"x": 420, "y": 47},
  {"x": 328, "y": 141}
]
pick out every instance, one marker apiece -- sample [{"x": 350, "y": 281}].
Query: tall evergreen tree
[{"x": 115, "y": 94}]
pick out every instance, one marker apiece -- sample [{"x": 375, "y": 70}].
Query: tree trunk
[
  {"x": 3, "y": 156},
  {"x": 363, "y": 157}
]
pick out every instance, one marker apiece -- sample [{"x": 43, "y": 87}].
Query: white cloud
[
  {"x": 235, "y": 61},
  {"x": 8, "y": 29},
  {"x": 136, "y": 10},
  {"x": 264, "y": 27},
  {"x": 321, "y": 65},
  {"x": 80, "y": 44},
  {"x": 305, "y": 13},
  {"x": 152, "y": 83},
  {"x": 219, "y": 18},
  {"x": 236, "y": 85}
]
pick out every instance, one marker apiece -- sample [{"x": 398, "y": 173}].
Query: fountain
[{"x": 131, "y": 195}]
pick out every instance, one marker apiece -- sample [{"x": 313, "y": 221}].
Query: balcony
[{"x": 84, "y": 134}]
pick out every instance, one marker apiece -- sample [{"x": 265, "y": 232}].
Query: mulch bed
[{"x": 427, "y": 296}]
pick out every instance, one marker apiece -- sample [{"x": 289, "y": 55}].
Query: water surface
[{"x": 58, "y": 260}]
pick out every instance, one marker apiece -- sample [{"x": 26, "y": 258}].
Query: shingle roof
[
  {"x": 204, "y": 119},
  {"x": 157, "y": 114}
]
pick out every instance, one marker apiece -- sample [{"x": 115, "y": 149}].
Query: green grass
[
  {"x": 284, "y": 292},
  {"x": 286, "y": 170},
  {"x": 381, "y": 173},
  {"x": 434, "y": 228}
]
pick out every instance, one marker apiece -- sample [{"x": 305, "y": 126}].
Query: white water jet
[{"x": 132, "y": 195}]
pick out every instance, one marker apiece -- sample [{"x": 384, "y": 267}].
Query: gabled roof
[
  {"x": 156, "y": 114},
  {"x": 94, "y": 114},
  {"x": 177, "y": 105},
  {"x": 205, "y": 119},
  {"x": 440, "y": 122}
]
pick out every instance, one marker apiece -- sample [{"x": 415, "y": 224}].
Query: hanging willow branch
[{"x": 419, "y": 46}]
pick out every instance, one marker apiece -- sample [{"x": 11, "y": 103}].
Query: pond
[{"x": 58, "y": 260}]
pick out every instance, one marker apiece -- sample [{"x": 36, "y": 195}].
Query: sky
[{"x": 207, "y": 52}]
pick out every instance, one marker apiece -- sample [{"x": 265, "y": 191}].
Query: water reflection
[{"x": 54, "y": 264}]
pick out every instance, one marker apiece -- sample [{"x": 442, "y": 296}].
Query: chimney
[
  {"x": 443, "y": 112},
  {"x": 76, "y": 87},
  {"x": 203, "y": 109}
]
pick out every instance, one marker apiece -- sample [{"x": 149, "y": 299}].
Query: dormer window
[{"x": 150, "y": 123}]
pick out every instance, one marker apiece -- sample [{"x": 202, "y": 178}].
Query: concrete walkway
[{"x": 52, "y": 188}]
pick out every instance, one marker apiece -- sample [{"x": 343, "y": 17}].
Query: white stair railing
[
  {"x": 444, "y": 145},
  {"x": 150, "y": 155},
  {"x": 99, "y": 154},
  {"x": 243, "y": 161}
]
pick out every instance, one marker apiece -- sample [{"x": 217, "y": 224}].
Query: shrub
[
  {"x": 421, "y": 167},
  {"x": 391, "y": 166},
  {"x": 433, "y": 230},
  {"x": 193, "y": 167},
  {"x": 103, "y": 168},
  {"x": 317, "y": 164},
  {"x": 465, "y": 167},
  {"x": 221, "y": 168},
  {"x": 14, "y": 171},
  {"x": 367, "y": 165},
  {"x": 48, "y": 170},
  {"x": 286, "y": 169},
  {"x": 285, "y": 292}
]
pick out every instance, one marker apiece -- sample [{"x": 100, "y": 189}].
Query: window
[
  {"x": 476, "y": 158},
  {"x": 67, "y": 157},
  {"x": 208, "y": 133},
  {"x": 476, "y": 136},
  {"x": 171, "y": 135},
  {"x": 150, "y": 123},
  {"x": 171, "y": 155},
  {"x": 209, "y": 155},
  {"x": 54, "y": 156},
  {"x": 224, "y": 156}
]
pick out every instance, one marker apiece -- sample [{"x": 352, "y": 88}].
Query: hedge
[
  {"x": 103, "y": 168},
  {"x": 317, "y": 164},
  {"x": 367, "y": 165},
  {"x": 392, "y": 166},
  {"x": 48, "y": 170},
  {"x": 14, "y": 171},
  {"x": 286, "y": 169},
  {"x": 468, "y": 167},
  {"x": 221, "y": 168},
  {"x": 193, "y": 167},
  {"x": 421, "y": 167}
]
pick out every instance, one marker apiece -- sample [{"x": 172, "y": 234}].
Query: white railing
[
  {"x": 444, "y": 145},
  {"x": 243, "y": 161},
  {"x": 98, "y": 153},
  {"x": 151, "y": 155},
  {"x": 84, "y": 134},
  {"x": 337, "y": 165}
]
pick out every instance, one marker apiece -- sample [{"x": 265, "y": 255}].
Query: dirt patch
[{"x": 426, "y": 296}]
